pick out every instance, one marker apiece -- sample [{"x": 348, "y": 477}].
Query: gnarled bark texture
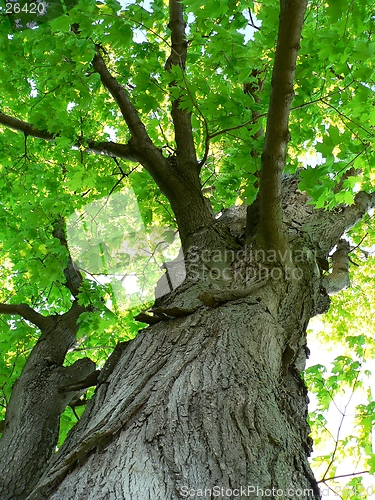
[
  {"x": 213, "y": 396},
  {"x": 205, "y": 400}
]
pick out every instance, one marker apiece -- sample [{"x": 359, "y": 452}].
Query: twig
[
  {"x": 332, "y": 478},
  {"x": 345, "y": 117},
  {"x": 343, "y": 415}
]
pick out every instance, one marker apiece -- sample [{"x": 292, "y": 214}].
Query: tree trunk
[
  {"x": 209, "y": 397},
  {"x": 213, "y": 399},
  {"x": 38, "y": 399}
]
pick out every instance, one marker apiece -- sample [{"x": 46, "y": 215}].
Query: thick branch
[
  {"x": 277, "y": 134},
  {"x": 90, "y": 380},
  {"x": 180, "y": 187},
  {"x": 179, "y": 44},
  {"x": 186, "y": 154},
  {"x": 179, "y": 180},
  {"x": 26, "y": 312},
  {"x": 338, "y": 279},
  {"x": 106, "y": 148},
  {"x": 34, "y": 413},
  {"x": 113, "y": 149},
  {"x": 128, "y": 111},
  {"x": 326, "y": 228},
  {"x": 140, "y": 147},
  {"x": 26, "y": 128}
]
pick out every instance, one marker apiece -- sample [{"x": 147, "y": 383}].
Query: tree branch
[
  {"x": 337, "y": 221},
  {"x": 179, "y": 44},
  {"x": 180, "y": 186},
  {"x": 352, "y": 474},
  {"x": 140, "y": 147},
  {"x": 277, "y": 135},
  {"x": 128, "y": 111},
  {"x": 178, "y": 180},
  {"x": 72, "y": 275},
  {"x": 26, "y": 312},
  {"x": 26, "y": 128},
  {"x": 338, "y": 279},
  {"x": 112, "y": 149},
  {"x": 186, "y": 153}
]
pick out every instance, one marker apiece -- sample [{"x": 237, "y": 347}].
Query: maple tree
[{"x": 122, "y": 125}]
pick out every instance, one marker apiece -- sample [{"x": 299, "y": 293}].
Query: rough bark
[
  {"x": 198, "y": 402},
  {"x": 211, "y": 395},
  {"x": 38, "y": 398}
]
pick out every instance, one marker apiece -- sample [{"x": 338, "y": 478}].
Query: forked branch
[{"x": 140, "y": 145}]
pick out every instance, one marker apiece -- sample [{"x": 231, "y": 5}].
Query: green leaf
[{"x": 61, "y": 23}]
